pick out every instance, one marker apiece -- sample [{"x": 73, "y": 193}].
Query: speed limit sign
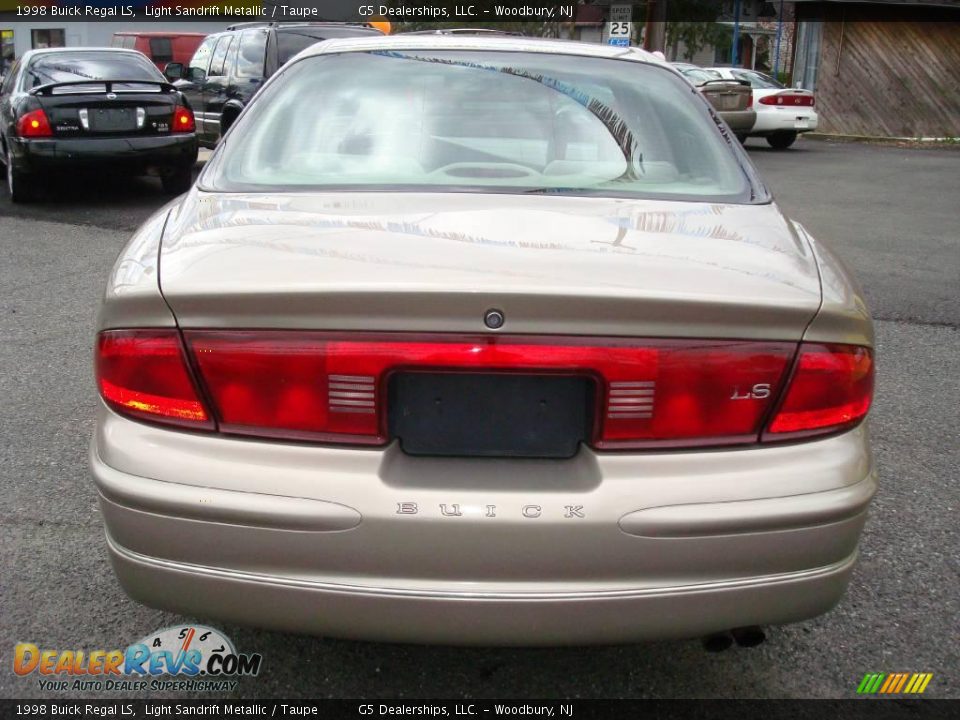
[{"x": 620, "y": 27}]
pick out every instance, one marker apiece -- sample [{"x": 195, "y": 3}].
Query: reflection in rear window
[
  {"x": 468, "y": 120},
  {"x": 72, "y": 67}
]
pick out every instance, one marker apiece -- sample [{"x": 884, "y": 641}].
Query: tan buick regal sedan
[{"x": 482, "y": 341}]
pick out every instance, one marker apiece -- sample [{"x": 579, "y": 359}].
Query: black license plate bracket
[
  {"x": 113, "y": 119},
  {"x": 516, "y": 415}
]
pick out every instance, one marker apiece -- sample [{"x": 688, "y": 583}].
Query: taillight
[
  {"x": 144, "y": 373},
  {"x": 34, "y": 124},
  {"x": 789, "y": 100},
  {"x": 183, "y": 120},
  {"x": 831, "y": 389},
  {"x": 750, "y": 101},
  {"x": 333, "y": 387}
]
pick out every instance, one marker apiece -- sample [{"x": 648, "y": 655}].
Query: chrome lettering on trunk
[{"x": 490, "y": 511}]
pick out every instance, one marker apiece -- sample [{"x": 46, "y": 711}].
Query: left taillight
[
  {"x": 183, "y": 121},
  {"x": 145, "y": 374},
  {"x": 34, "y": 124}
]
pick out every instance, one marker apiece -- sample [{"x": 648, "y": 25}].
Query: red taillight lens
[
  {"x": 332, "y": 387},
  {"x": 144, "y": 373},
  {"x": 183, "y": 120},
  {"x": 691, "y": 393},
  {"x": 789, "y": 100},
  {"x": 34, "y": 124},
  {"x": 750, "y": 101},
  {"x": 831, "y": 389}
]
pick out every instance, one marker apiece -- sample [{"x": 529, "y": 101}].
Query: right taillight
[
  {"x": 831, "y": 389},
  {"x": 183, "y": 121}
]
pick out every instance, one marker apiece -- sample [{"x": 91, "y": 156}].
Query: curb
[{"x": 944, "y": 142}]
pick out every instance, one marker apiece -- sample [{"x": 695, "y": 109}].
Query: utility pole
[
  {"x": 656, "y": 26},
  {"x": 735, "y": 50}
]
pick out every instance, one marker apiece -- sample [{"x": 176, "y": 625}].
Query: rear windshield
[
  {"x": 290, "y": 41},
  {"x": 480, "y": 121},
  {"x": 758, "y": 81},
  {"x": 698, "y": 76},
  {"x": 72, "y": 67}
]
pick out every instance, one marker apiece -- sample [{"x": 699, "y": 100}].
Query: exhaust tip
[
  {"x": 717, "y": 642},
  {"x": 749, "y": 636}
]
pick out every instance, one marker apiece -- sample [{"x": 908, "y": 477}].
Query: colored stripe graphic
[{"x": 894, "y": 683}]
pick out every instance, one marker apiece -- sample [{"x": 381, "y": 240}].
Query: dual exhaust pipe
[{"x": 749, "y": 636}]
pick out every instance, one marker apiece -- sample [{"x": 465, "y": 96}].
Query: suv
[{"x": 230, "y": 67}]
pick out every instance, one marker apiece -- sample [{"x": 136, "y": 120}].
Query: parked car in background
[
  {"x": 782, "y": 112},
  {"x": 482, "y": 341},
  {"x": 160, "y": 47},
  {"x": 67, "y": 108},
  {"x": 230, "y": 67},
  {"x": 731, "y": 99}
]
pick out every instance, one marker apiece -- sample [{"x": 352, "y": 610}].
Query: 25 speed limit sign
[{"x": 619, "y": 27}]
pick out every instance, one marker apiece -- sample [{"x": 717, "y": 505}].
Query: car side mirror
[
  {"x": 196, "y": 75},
  {"x": 173, "y": 71}
]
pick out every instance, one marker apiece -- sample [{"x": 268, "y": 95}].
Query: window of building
[{"x": 47, "y": 38}]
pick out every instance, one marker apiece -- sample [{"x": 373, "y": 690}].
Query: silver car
[{"x": 482, "y": 341}]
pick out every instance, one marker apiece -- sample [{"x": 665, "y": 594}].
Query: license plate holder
[
  {"x": 113, "y": 119},
  {"x": 512, "y": 415}
]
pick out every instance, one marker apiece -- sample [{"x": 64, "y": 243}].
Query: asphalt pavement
[{"x": 890, "y": 212}]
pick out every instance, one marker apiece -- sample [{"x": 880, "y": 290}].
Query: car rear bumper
[
  {"x": 787, "y": 119},
  {"x": 137, "y": 154},
  {"x": 597, "y": 549},
  {"x": 739, "y": 120}
]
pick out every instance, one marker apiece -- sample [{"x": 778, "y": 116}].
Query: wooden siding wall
[{"x": 897, "y": 76}]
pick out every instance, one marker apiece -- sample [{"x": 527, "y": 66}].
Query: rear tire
[
  {"x": 226, "y": 120},
  {"x": 22, "y": 187},
  {"x": 781, "y": 140},
  {"x": 178, "y": 181}
]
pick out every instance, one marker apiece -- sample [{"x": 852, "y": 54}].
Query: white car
[{"x": 782, "y": 112}]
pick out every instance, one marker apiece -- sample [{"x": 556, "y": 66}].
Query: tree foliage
[
  {"x": 693, "y": 27},
  {"x": 696, "y": 35}
]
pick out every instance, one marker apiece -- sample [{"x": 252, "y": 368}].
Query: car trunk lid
[
  {"x": 436, "y": 263},
  {"x": 107, "y": 108},
  {"x": 727, "y": 95}
]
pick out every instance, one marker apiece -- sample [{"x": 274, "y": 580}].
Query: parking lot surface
[{"x": 889, "y": 212}]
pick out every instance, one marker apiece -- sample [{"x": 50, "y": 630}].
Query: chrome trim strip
[{"x": 243, "y": 576}]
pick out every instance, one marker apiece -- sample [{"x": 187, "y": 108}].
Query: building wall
[
  {"x": 98, "y": 34},
  {"x": 883, "y": 75}
]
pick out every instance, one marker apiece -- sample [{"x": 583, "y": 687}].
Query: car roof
[
  {"x": 472, "y": 42},
  {"x": 154, "y": 33},
  {"x": 64, "y": 50}
]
